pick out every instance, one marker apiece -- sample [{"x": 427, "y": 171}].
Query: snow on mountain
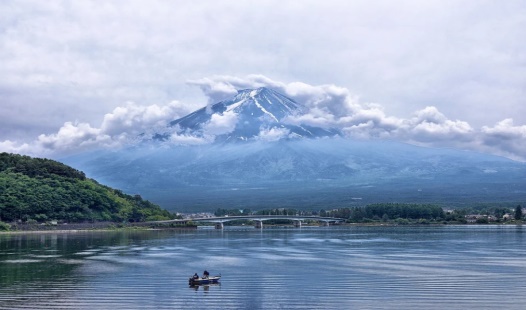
[{"x": 258, "y": 114}]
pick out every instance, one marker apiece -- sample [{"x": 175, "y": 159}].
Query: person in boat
[
  {"x": 206, "y": 274},
  {"x": 195, "y": 277}
]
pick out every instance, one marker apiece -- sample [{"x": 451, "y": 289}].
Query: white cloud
[
  {"x": 370, "y": 122},
  {"x": 505, "y": 139},
  {"x": 184, "y": 139},
  {"x": 333, "y": 106},
  {"x": 327, "y": 106},
  {"x": 20, "y": 148},
  {"x": 273, "y": 134},
  {"x": 122, "y": 126},
  {"x": 221, "y": 124},
  {"x": 65, "y": 60},
  {"x": 431, "y": 126},
  {"x": 220, "y": 87},
  {"x": 505, "y": 130},
  {"x": 216, "y": 91},
  {"x": 78, "y": 136},
  {"x": 135, "y": 119}
]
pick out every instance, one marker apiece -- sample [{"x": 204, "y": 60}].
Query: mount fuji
[
  {"x": 251, "y": 113},
  {"x": 304, "y": 168}
]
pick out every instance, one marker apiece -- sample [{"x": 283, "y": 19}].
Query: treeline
[
  {"x": 397, "y": 213},
  {"x": 389, "y": 211},
  {"x": 370, "y": 213},
  {"x": 39, "y": 190},
  {"x": 37, "y": 167},
  {"x": 232, "y": 212}
]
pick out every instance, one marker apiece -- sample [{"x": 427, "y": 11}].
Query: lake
[{"x": 339, "y": 267}]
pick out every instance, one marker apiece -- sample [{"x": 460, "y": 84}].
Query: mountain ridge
[{"x": 255, "y": 112}]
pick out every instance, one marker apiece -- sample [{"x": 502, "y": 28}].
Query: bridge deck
[{"x": 259, "y": 218}]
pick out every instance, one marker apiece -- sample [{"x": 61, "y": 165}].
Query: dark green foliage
[
  {"x": 482, "y": 220},
  {"x": 407, "y": 211},
  {"x": 4, "y": 226},
  {"x": 375, "y": 212},
  {"x": 387, "y": 212},
  {"x": 231, "y": 212},
  {"x": 518, "y": 212},
  {"x": 42, "y": 189},
  {"x": 37, "y": 167},
  {"x": 280, "y": 211}
]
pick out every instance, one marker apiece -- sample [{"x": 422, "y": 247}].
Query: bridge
[{"x": 257, "y": 219}]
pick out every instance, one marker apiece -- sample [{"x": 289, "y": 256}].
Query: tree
[{"x": 518, "y": 212}]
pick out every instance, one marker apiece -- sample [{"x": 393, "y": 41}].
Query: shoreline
[
  {"x": 144, "y": 228},
  {"x": 89, "y": 227},
  {"x": 75, "y": 231}
]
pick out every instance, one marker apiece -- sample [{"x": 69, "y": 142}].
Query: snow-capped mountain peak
[
  {"x": 250, "y": 114},
  {"x": 262, "y": 102}
]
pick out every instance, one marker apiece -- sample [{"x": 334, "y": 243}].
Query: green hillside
[{"x": 36, "y": 189}]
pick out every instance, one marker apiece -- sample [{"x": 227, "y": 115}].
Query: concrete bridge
[{"x": 258, "y": 220}]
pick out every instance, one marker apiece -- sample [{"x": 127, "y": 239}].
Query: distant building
[{"x": 473, "y": 218}]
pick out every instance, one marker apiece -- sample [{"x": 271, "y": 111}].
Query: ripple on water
[
  {"x": 44, "y": 256},
  {"x": 21, "y": 261},
  {"x": 289, "y": 270}
]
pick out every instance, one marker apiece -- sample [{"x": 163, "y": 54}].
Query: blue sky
[{"x": 84, "y": 74}]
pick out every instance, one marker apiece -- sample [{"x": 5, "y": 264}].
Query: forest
[
  {"x": 397, "y": 213},
  {"x": 40, "y": 190}
]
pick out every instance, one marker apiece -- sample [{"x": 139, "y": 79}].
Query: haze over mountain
[{"x": 261, "y": 156}]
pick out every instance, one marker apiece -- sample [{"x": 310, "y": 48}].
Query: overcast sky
[{"x": 79, "y": 74}]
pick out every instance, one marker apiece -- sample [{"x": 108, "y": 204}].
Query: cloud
[
  {"x": 70, "y": 134},
  {"x": 370, "y": 122},
  {"x": 135, "y": 119},
  {"x": 187, "y": 139},
  {"x": 123, "y": 126},
  {"x": 216, "y": 91},
  {"x": 20, "y": 148},
  {"x": 331, "y": 106},
  {"x": 221, "y": 124},
  {"x": 221, "y": 87},
  {"x": 326, "y": 105},
  {"x": 65, "y": 60},
  {"x": 431, "y": 126},
  {"x": 505, "y": 139},
  {"x": 273, "y": 134}
]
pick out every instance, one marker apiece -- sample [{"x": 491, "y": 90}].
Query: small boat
[{"x": 201, "y": 281}]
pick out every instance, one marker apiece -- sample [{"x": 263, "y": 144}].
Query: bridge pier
[
  {"x": 219, "y": 225},
  {"x": 258, "y": 224},
  {"x": 297, "y": 223},
  {"x": 324, "y": 223}
]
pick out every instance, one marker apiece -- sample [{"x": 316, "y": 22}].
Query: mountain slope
[
  {"x": 42, "y": 189},
  {"x": 331, "y": 172}
]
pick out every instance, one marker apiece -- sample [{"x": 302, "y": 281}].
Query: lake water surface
[{"x": 446, "y": 267}]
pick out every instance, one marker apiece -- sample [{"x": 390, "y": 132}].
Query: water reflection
[
  {"x": 205, "y": 287},
  {"x": 335, "y": 268}
]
